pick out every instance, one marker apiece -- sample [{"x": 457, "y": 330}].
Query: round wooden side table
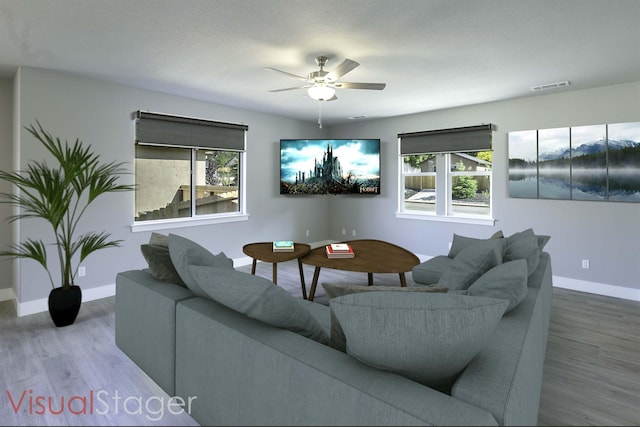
[{"x": 263, "y": 251}]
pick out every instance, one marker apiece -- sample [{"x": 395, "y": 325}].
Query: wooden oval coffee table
[
  {"x": 371, "y": 256},
  {"x": 263, "y": 251}
]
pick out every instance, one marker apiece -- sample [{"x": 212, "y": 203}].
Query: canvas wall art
[{"x": 598, "y": 162}]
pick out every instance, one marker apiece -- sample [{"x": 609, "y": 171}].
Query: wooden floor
[{"x": 591, "y": 377}]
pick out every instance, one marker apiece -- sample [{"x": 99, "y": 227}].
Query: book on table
[
  {"x": 283, "y": 246},
  {"x": 341, "y": 251},
  {"x": 340, "y": 247}
]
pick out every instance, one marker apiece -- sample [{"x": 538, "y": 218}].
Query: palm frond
[
  {"x": 92, "y": 242},
  {"x": 60, "y": 195}
]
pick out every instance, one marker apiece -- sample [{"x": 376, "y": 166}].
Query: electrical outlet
[
  {"x": 82, "y": 271},
  {"x": 353, "y": 233},
  {"x": 585, "y": 263},
  {"x": 307, "y": 233},
  {"x": 344, "y": 231}
]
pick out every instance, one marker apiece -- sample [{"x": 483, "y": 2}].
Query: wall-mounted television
[{"x": 330, "y": 166}]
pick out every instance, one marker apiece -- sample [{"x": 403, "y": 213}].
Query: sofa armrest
[
  {"x": 505, "y": 378},
  {"x": 145, "y": 323},
  {"x": 231, "y": 363}
]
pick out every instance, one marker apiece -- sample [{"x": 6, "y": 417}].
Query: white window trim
[
  {"x": 443, "y": 201},
  {"x": 163, "y": 224},
  {"x": 438, "y": 218}
]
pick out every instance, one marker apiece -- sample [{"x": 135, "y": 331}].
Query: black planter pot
[{"x": 64, "y": 305}]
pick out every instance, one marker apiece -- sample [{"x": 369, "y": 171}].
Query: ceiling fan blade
[
  {"x": 289, "y": 88},
  {"x": 295, "y": 76},
  {"x": 342, "y": 69},
  {"x": 352, "y": 85}
]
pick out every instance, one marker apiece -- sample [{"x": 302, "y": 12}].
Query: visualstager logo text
[{"x": 99, "y": 402}]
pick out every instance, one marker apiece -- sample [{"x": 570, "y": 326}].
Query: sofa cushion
[
  {"x": 160, "y": 265},
  {"x": 506, "y": 281},
  {"x": 185, "y": 252},
  {"x": 430, "y": 271},
  {"x": 334, "y": 290},
  {"x": 337, "y": 339},
  {"x": 471, "y": 263},
  {"x": 427, "y": 337},
  {"x": 258, "y": 298}
]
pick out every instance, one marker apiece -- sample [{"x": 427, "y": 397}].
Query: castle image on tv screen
[{"x": 329, "y": 166}]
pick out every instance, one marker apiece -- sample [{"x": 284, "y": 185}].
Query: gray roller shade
[
  {"x": 163, "y": 129},
  {"x": 454, "y": 140}
]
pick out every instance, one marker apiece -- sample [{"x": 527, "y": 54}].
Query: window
[
  {"x": 446, "y": 174},
  {"x": 187, "y": 169}
]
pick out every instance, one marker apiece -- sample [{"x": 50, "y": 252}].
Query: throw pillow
[
  {"x": 460, "y": 242},
  {"x": 428, "y": 338},
  {"x": 185, "y": 252},
  {"x": 160, "y": 265},
  {"x": 541, "y": 239},
  {"x": 524, "y": 246},
  {"x": 337, "y": 339},
  {"x": 471, "y": 263},
  {"x": 506, "y": 281},
  {"x": 159, "y": 239},
  {"x": 258, "y": 298}
]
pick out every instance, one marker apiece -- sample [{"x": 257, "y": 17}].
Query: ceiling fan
[{"x": 321, "y": 85}]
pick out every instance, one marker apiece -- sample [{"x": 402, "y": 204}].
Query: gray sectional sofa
[{"x": 245, "y": 371}]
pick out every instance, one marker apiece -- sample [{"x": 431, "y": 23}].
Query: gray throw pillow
[
  {"x": 506, "y": 281},
  {"x": 460, "y": 242},
  {"x": 541, "y": 239},
  {"x": 472, "y": 262},
  {"x": 185, "y": 252},
  {"x": 337, "y": 339},
  {"x": 428, "y": 338},
  {"x": 159, "y": 239},
  {"x": 523, "y": 247},
  {"x": 258, "y": 298},
  {"x": 160, "y": 265}
]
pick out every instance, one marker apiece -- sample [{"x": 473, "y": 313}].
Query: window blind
[
  {"x": 179, "y": 131},
  {"x": 454, "y": 140}
]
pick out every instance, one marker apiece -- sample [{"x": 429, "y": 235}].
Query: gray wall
[
  {"x": 608, "y": 234},
  {"x": 99, "y": 113},
  {"x": 6, "y": 137}
]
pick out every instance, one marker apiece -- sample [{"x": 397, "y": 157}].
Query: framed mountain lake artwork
[{"x": 596, "y": 162}]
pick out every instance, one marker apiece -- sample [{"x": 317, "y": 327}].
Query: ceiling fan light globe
[{"x": 321, "y": 92}]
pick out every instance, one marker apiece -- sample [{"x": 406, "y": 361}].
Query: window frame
[
  {"x": 443, "y": 185},
  {"x": 197, "y": 219}
]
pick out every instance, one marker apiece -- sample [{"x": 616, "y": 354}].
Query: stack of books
[
  {"x": 283, "y": 246},
  {"x": 339, "y": 250}
]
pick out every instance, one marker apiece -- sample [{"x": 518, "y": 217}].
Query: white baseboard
[
  {"x": 7, "y": 294},
  {"x": 41, "y": 305},
  {"x": 597, "y": 288},
  {"x": 239, "y": 262}
]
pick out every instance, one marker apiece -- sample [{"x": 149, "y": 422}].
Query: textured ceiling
[{"x": 432, "y": 54}]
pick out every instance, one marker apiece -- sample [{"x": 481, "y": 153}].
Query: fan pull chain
[{"x": 320, "y": 114}]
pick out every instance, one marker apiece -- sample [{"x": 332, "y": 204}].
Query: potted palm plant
[{"x": 60, "y": 196}]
